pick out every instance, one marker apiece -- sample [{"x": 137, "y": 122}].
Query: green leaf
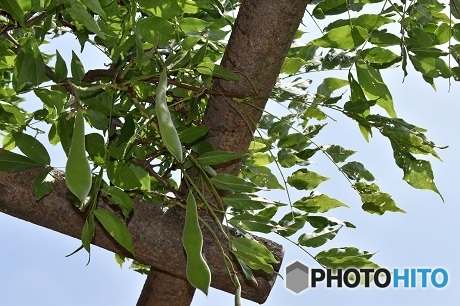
[
  {"x": 374, "y": 201},
  {"x": 244, "y": 201},
  {"x": 80, "y": 14},
  {"x": 78, "y": 71},
  {"x": 305, "y": 180},
  {"x": 329, "y": 7},
  {"x": 12, "y": 162},
  {"x": 43, "y": 184},
  {"x": 344, "y": 258},
  {"x": 128, "y": 176},
  {"x": 65, "y": 130},
  {"x": 380, "y": 58},
  {"x": 120, "y": 198},
  {"x": 32, "y": 148},
  {"x": 166, "y": 9},
  {"x": 345, "y": 38},
  {"x": 87, "y": 234},
  {"x": 233, "y": 183},
  {"x": 193, "y": 133},
  {"x": 254, "y": 254},
  {"x": 60, "y": 69},
  {"x": 29, "y": 66},
  {"x": 338, "y": 153},
  {"x": 317, "y": 238},
  {"x": 356, "y": 171},
  {"x": 54, "y": 99},
  {"x": 430, "y": 67},
  {"x": 291, "y": 223},
  {"x": 317, "y": 203},
  {"x": 191, "y": 24},
  {"x": 217, "y": 157},
  {"x": 15, "y": 10},
  {"x": 155, "y": 30},
  {"x": 95, "y": 7},
  {"x": 95, "y": 146},
  {"x": 254, "y": 223},
  {"x": 116, "y": 228},
  {"x": 292, "y": 65},
  {"x": 329, "y": 85},
  {"x": 216, "y": 71},
  {"x": 374, "y": 87}
]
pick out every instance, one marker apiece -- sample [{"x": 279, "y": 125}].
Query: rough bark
[{"x": 157, "y": 234}]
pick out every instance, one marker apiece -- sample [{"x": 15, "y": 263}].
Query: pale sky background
[{"x": 35, "y": 271}]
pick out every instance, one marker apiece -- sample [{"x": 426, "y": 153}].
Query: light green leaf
[
  {"x": 233, "y": 183},
  {"x": 345, "y": 38},
  {"x": 329, "y": 85},
  {"x": 317, "y": 203},
  {"x": 43, "y": 184},
  {"x": 291, "y": 223},
  {"x": 292, "y": 65},
  {"x": 374, "y": 201},
  {"x": 191, "y": 24},
  {"x": 305, "y": 180},
  {"x": 116, "y": 228},
  {"x": 344, "y": 258},
  {"x": 166, "y": 9}
]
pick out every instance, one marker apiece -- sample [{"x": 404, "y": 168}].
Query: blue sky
[{"x": 35, "y": 271}]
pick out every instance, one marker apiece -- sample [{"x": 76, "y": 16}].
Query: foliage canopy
[{"x": 145, "y": 110}]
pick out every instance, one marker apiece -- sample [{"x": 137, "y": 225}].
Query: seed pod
[
  {"x": 198, "y": 273},
  {"x": 167, "y": 130},
  {"x": 77, "y": 169}
]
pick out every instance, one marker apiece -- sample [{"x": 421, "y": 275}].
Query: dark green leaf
[
  {"x": 374, "y": 201},
  {"x": 119, "y": 197},
  {"x": 244, "y": 201},
  {"x": 356, "y": 171},
  {"x": 338, "y": 153},
  {"x": 317, "y": 238},
  {"x": 32, "y": 148},
  {"x": 80, "y": 14},
  {"x": 78, "y": 71},
  {"x": 60, "y": 69},
  {"x": 29, "y": 66},
  {"x": 217, "y": 157},
  {"x": 128, "y": 176},
  {"x": 291, "y": 223},
  {"x": 254, "y": 223},
  {"x": 12, "y": 162},
  {"x": 43, "y": 184},
  {"x": 233, "y": 183}
]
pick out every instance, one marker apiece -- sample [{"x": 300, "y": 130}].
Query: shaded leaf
[
  {"x": 305, "y": 180},
  {"x": 116, "y": 228}
]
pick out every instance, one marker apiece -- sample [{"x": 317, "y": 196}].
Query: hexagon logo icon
[{"x": 297, "y": 276}]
